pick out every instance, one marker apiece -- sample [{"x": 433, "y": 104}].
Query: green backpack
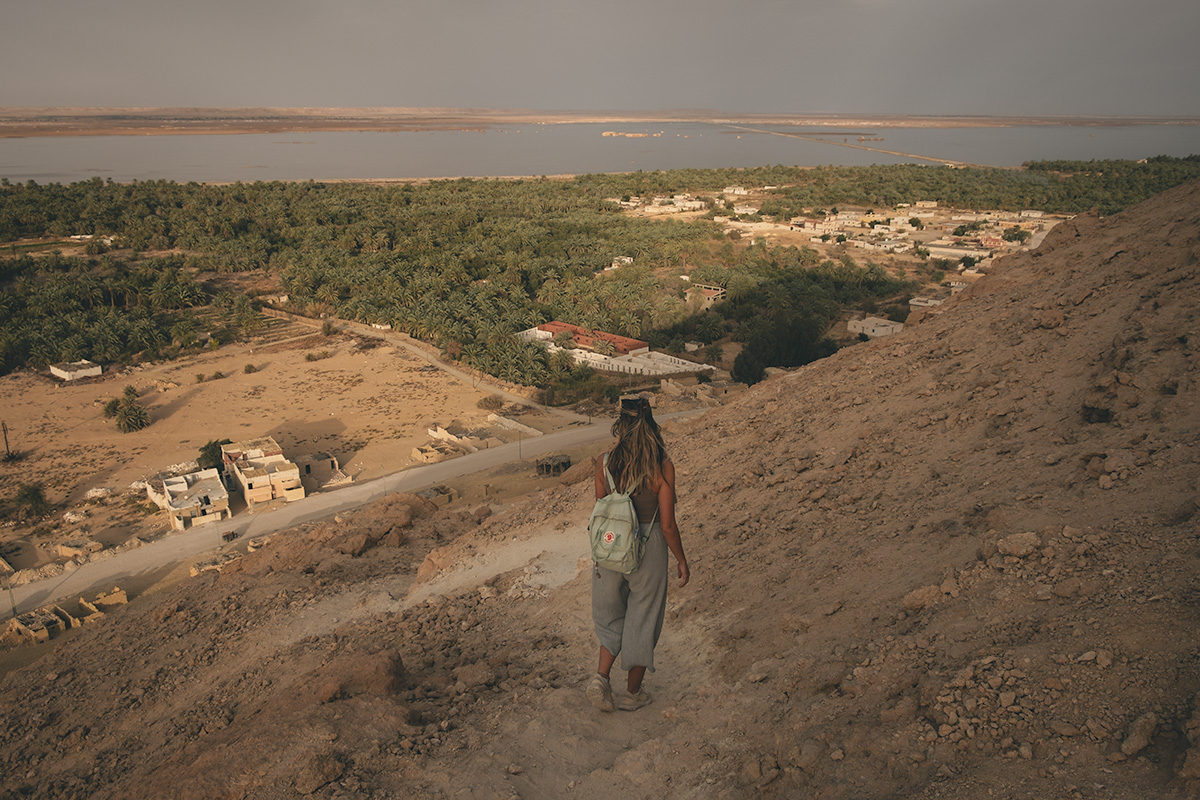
[{"x": 613, "y": 528}]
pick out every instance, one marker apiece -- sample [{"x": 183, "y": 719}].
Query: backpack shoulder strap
[{"x": 612, "y": 484}]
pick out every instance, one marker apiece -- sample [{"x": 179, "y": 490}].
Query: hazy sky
[{"x": 1106, "y": 57}]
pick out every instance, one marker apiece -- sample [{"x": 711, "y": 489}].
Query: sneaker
[
  {"x": 599, "y": 691},
  {"x": 632, "y": 702}
]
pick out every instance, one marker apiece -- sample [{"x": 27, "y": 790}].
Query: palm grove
[{"x": 465, "y": 264}]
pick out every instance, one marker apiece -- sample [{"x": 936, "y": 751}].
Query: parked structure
[
  {"x": 553, "y": 465},
  {"x": 75, "y": 370},
  {"x": 264, "y": 473}
]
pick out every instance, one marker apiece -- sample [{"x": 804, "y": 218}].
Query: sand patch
[{"x": 369, "y": 407}]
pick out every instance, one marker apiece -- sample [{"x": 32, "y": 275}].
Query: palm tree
[{"x": 131, "y": 415}]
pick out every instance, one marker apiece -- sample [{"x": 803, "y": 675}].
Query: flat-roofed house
[
  {"x": 587, "y": 338},
  {"x": 262, "y": 470},
  {"x": 198, "y": 498},
  {"x": 874, "y": 327},
  {"x": 75, "y": 370}
]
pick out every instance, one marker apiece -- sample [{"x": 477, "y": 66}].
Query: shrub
[
  {"x": 216, "y": 376},
  {"x": 493, "y": 402},
  {"x": 328, "y": 328},
  {"x": 199, "y": 377},
  {"x": 31, "y": 498},
  {"x": 249, "y": 369},
  {"x": 316, "y": 356}
]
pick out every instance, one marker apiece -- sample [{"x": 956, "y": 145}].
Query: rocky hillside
[{"x": 960, "y": 562}]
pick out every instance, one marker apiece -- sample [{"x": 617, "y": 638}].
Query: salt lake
[{"x": 562, "y": 149}]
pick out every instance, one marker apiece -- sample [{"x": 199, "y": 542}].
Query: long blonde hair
[{"x": 636, "y": 459}]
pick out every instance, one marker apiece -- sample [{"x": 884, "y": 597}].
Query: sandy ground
[{"x": 368, "y": 407}]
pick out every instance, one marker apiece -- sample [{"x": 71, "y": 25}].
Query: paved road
[{"x": 178, "y": 547}]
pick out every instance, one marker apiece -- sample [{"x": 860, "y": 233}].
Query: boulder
[
  {"x": 473, "y": 675},
  {"x": 1019, "y": 544},
  {"x": 1139, "y": 733},
  {"x": 920, "y": 599}
]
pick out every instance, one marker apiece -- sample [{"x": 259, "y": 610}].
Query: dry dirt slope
[{"x": 961, "y": 562}]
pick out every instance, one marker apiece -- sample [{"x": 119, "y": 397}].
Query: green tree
[{"x": 1016, "y": 234}]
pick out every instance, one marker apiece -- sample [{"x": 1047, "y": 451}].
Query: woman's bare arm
[{"x": 666, "y": 517}]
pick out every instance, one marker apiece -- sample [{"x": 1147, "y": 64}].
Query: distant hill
[{"x": 960, "y": 562}]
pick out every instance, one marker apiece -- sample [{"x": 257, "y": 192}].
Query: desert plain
[{"x": 364, "y": 400}]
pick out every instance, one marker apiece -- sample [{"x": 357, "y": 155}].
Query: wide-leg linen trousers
[{"x": 628, "y": 610}]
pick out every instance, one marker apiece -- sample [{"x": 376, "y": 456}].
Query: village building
[
  {"x": 874, "y": 327},
  {"x": 706, "y": 295},
  {"x": 265, "y": 475},
  {"x": 736, "y": 191},
  {"x": 679, "y": 202},
  {"x": 924, "y": 302},
  {"x": 76, "y": 370},
  {"x": 631, "y": 356},
  {"x": 588, "y": 338},
  {"x": 320, "y": 470},
  {"x": 885, "y": 245},
  {"x": 954, "y": 250},
  {"x": 817, "y": 226},
  {"x": 198, "y": 498}
]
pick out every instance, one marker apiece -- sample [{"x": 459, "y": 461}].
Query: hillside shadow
[{"x": 304, "y": 437}]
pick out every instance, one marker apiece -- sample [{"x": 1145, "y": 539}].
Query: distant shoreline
[{"x": 22, "y": 122}]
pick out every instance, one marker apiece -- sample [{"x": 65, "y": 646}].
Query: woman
[{"x": 627, "y": 610}]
